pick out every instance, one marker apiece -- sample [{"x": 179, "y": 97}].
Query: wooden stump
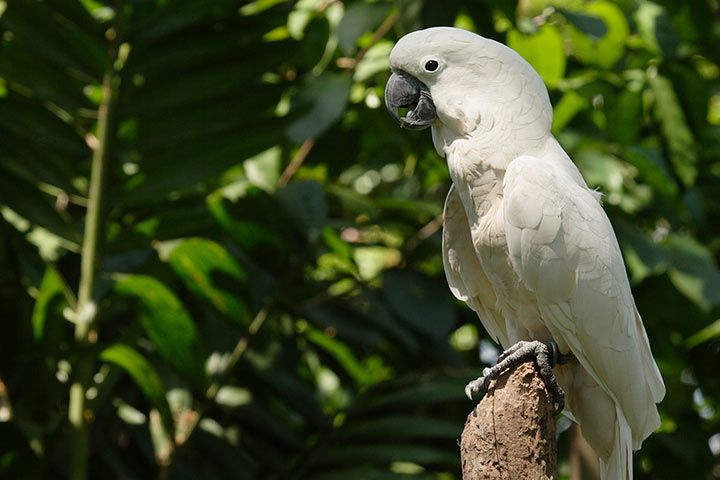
[{"x": 511, "y": 433}]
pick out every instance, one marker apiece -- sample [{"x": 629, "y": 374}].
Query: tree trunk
[{"x": 511, "y": 433}]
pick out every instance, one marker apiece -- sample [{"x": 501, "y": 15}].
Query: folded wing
[
  {"x": 464, "y": 272},
  {"x": 564, "y": 250}
]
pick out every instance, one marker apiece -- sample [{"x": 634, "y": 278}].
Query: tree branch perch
[{"x": 511, "y": 433}]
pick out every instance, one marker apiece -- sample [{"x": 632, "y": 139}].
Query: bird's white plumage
[{"x": 527, "y": 244}]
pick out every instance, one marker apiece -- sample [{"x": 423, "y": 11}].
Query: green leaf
[
  {"x": 36, "y": 207},
  {"x": 211, "y": 273},
  {"x": 373, "y": 260},
  {"x": 423, "y": 304},
  {"x": 49, "y": 302},
  {"x": 323, "y": 100},
  {"x": 593, "y": 26},
  {"x": 358, "y": 19},
  {"x": 376, "y": 60},
  {"x": 382, "y": 453},
  {"x": 624, "y": 116},
  {"x": 33, "y": 127},
  {"x": 184, "y": 167},
  {"x": 693, "y": 270},
  {"x": 656, "y": 29},
  {"x": 644, "y": 257},
  {"x": 364, "y": 373},
  {"x": 710, "y": 332},
  {"x": 353, "y": 201},
  {"x": 653, "y": 169},
  {"x": 166, "y": 323},
  {"x": 305, "y": 204},
  {"x": 569, "y": 105},
  {"x": 679, "y": 138},
  {"x": 544, "y": 51},
  {"x": 420, "y": 389},
  {"x": 608, "y": 49},
  {"x": 263, "y": 170},
  {"x": 239, "y": 209},
  {"x": 346, "y": 326},
  {"x": 142, "y": 372},
  {"x": 401, "y": 426}
]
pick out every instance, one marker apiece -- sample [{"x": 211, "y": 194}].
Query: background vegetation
[{"x": 258, "y": 291}]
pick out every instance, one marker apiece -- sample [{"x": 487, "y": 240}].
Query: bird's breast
[{"x": 480, "y": 187}]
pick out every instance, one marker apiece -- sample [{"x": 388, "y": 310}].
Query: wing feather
[
  {"x": 463, "y": 270},
  {"x": 563, "y": 249}
]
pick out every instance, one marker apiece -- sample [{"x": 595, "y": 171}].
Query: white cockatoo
[{"x": 526, "y": 243}]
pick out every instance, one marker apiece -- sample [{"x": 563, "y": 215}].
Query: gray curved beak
[{"x": 405, "y": 91}]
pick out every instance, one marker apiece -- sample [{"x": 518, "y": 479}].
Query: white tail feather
[{"x": 620, "y": 464}]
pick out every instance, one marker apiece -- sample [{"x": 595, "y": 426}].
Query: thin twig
[
  {"x": 238, "y": 351},
  {"x": 85, "y": 311},
  {"x": 193, "y": 418},
  {"x": 381, "y": 31},
  {"x": 296, "y": 162},
  {"x": 425, "y": 232},
  {"x": 309, "y": 143}
]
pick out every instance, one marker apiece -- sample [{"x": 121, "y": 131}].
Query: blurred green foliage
[{"x": 270, "y": 298}]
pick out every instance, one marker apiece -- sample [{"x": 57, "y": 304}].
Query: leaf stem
[
  {"x": 184, "y": 431},
  {"x": 309, "y": 143},
  {"x": 85, "y": 312}
]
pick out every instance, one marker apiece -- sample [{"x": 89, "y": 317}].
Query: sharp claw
[
  {"x": 473, "y": 389},
  {"x": 469, "y": 391}
]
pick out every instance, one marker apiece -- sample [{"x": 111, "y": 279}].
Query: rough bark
[{"x": 511, "y": 433}]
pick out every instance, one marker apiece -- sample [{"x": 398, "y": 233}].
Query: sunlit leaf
[
  {"x": 544, "y": 50},
  {"x": 373, "y": 260},
  {"x": 210, "y": 272},
  {"x": 166, "y": 322},
  {"x": 710, "y": 332},
  {"x": 142, "y": 372},
  {"x": 656, "y": 28},
  {"x": 609, "y": 48},
  {"x": 49, "y": 301},
  {"x": 565, "y": 110},
  {"x": 363, "y": 372},
  {"x": 374, "y": 61}
]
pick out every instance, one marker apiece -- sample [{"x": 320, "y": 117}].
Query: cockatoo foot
[{"x": 545, "y": 355}]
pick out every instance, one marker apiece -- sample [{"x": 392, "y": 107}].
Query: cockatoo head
[{"x": 463, "y": 84}]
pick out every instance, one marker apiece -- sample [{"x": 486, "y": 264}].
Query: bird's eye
[{"x": 431, "y": 65}]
